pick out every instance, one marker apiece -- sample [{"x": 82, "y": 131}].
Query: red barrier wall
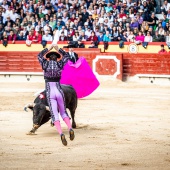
[
  {"x": 129, "y": 64},
  {"x": 146, "y": 64}
]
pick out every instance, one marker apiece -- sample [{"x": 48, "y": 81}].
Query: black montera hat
[{"x": 53, "y": 53}]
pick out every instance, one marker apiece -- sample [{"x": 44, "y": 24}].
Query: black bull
[{"x": 41, "y": 113}]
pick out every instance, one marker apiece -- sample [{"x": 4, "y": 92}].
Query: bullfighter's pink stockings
[
  {"x": 67, "y": 121},
  {"x": 58, "y": 126}
]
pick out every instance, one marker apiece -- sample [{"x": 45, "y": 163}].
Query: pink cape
[{"x": 80, "y": 76}]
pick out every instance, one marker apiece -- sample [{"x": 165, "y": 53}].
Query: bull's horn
[
  {"x": 28, "y": 105},
  {"x": 47, "y": 108}
]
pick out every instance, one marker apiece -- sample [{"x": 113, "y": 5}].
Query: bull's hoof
[
  {"x": 52, "y": 124},
  {"x": 31, "y": 133},
  {"x": 73, "y": 125}
]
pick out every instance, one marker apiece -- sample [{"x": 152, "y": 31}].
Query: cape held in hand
[{"x": 80, "y": 76}]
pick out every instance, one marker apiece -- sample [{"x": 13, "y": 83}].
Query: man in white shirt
[
  {"x": 165, "y": 6},
  {"x": 9, "y": 11},
  {"x": 63, "y": 30},
  {"x": 44, "y": 10},
  {"x": 46, "y": 26},
  {"x": 14, "y": 15},
  {"x": 4, "y": 5},
  {"x": 65, "y": 18},
  {"x": 88, "y": 32},
  {"x": 47, "y": 37}
]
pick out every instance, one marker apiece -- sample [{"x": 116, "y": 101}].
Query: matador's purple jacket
[{"x": 52, "y": 69}]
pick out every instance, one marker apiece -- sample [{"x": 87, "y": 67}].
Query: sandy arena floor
[{"x": 120, "y": 126}]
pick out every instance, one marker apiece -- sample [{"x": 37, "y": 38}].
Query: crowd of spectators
[{"x": 85, "y": 20}]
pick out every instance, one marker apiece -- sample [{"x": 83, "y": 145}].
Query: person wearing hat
[
  {"x": 162, "y": 51},
  {"x": 55, "y": 97}
]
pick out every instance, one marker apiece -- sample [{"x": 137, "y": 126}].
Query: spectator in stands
[
  {"x": 17, "y": 22},
  {"x": 96, "y": 30},
  {"x": 139, "y": 38},
  {"x": 168, "y": 40},
  {"x": 100, "y": 37},
  {"x": 21, "y": 36},
  {"x": 8, "y": 21},
  {"x": 167, "y": 27},
  {"x": 59, "y": 26},
  {"x": 29, "y": 27},
  {"x": 16, "y": 30},
  {"x": 136, "y": 31},
  {"x": 24, "y": 23},
  {"x": 67, "y": 26},
  {"x": 114, "y": 34},
  {"x": 63, "y": 30},
  {"x": 131, "y": 37},
  {"x": 13, "y": 15},
  {"x": 69, "y": 37},
  {"x": 83, "y": 37},
  {"x": 39, "y": 36},
  {"x": 4, "y": 38},
  {"x": 152, "y": 21},
  {"x": 162, "y": 51},
  {"x": 47, "y": 36},
  {"x": 148, "y": 37},
  {"x": 71, "y": 31},
  {"x": 76, "y": 36},
  {"x": 12, "y": 37},
  {"x": 40, "y": 13},
  {"x": 85, "y": 15},
  {"x": 168, "y": 15},
  {"x": 21, "y": 14},
  {"x": 30, "y": 35},
  {"x": 139, "y": 17},
  {"x": 80, "y": 44},
  {"x": 107, "y": 37},
  {"x": 86, "y": 26},
  {"x": 123, "y": 37},
  {"x": 62, "y": 37},
  {"x": 165, "y": 6},
  {"x": 1, "y": 30},
  {"x": 95, "y": 14},
  {"x": 8, "y": 27},
  {"x": 61, "y": 22},
  {"x": 134, "y": 23},
  {"x": 93, "y": 37},
  {"x": 156, "y": 37},
  {"x": 161, "y": 31}
]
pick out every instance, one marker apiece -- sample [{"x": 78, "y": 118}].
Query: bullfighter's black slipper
[
  {"x": 63, "y": 139},
  {"x": 72, "y": 136}
]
